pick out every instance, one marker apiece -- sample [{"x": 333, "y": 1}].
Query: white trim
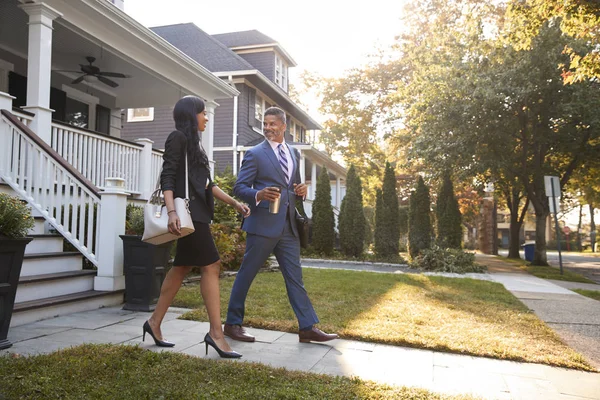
[
  {"x": 226, "y": 148},
  {"x": 253, "y": 50},
  {"x": 148, "y": 118},
  {"x": 225, "y": 74},
  {"x": 263, "y": 46}
]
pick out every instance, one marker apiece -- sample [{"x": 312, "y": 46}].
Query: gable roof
[
  {"x": 244, "y": 38},
  {"x": 252, "y": 39},
  {"x": 202, "y": 47}
]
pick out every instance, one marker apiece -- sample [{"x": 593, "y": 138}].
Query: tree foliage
[
  {"x": 389, "y": 219},
  {"x": 419, "y": 220},
  {"x": 323, "y": 237},
  {"x": 352, "y": 222}
]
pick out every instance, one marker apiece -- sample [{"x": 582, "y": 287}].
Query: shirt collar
[{"x": 275, "y": 144}]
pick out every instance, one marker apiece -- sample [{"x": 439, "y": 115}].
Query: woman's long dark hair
[{"x": 185, "y": 115}]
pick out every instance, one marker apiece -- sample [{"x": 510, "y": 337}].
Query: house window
[
  {"x": 77, "y": 113},
  {"x": 281, "y": 73},
  {"x": 140, "y": 114},
  {"x": 259, "y": 109}
]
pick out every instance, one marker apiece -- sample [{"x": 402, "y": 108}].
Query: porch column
[
  {"x": 208, "y": 135},
  {"x": 110, "y": 247},
  {"x": 302, "y": 168},
  {"x": 146, "y": 184},
  {"x": 39, "y": 64},
  {"x": 6, "y": 101},
  {"x": 313, "y": 181},
  {"x": 338, "y": 192}
]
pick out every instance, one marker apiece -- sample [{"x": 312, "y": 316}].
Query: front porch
[{"x": 60, "y": 128}]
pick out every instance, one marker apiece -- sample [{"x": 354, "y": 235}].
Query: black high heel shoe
[
  {"x": 223, "y": 354},
  {"x": 159, "y": 343}
]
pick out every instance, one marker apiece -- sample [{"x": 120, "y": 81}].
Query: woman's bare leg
[
  {"x": 168, "y": 291},
  {"x": 209, "y": 286}
]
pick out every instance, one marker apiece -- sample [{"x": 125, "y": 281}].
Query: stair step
[
  {"x": 45, "y": 243},
  {"x": 39, "y": 287},
  {"x": 36, "y": 310},
  {"x": 51, "y": 263},
  {"x": 39, "y": 226}
]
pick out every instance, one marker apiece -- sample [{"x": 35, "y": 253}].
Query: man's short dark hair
[{"x": 276, "y": 111}]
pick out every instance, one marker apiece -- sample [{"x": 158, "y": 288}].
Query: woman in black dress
[{"x": 197, "y": 249}]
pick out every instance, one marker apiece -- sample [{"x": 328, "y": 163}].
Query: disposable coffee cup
[{"x": 274, "y": 205}]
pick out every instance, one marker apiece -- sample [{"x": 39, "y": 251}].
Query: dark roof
[
  {"x": 244, "y": 38},
  {"x": 202, "y": 48}
]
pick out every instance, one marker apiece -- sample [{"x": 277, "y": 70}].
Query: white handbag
[{"x": 156, "y": 217}]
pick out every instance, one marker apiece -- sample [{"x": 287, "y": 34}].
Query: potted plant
[
  {"x": 15, "y": 223},
  {"x": 144, "y": 264}
]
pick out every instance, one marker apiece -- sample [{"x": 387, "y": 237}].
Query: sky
[{"x": 322, "y": 36}]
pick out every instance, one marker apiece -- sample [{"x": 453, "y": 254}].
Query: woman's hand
[
  {"x": 242, "y": 208},
  {"x": 174, "y": 224}
]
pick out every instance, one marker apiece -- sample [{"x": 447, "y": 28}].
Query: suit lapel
[{"x": 273, "y": 158}]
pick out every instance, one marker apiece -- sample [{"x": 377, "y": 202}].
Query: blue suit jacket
[{"x": 260, "y": 169}]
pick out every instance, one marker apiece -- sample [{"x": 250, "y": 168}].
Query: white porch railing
[
  {"x": 23, "y": 117},
  {"x": 67, "y": 201},
  {"x": 97, "y": 156}
]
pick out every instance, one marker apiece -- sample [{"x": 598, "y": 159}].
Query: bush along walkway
[
  {"x": 383, "y": 364},
  {"x": 575, "y": 318}
]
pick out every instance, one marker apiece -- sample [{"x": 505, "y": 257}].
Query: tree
[
  {"x": 352, "y": 222},
  {"x": 388, "y": 218},
  {"x": 578, "y": 19},
  {"x": 322, "y": 215},
  {"x": 419, "y": 220},
  {"x": 379, "y": 235},
  {"x": 448, "y": 218}
]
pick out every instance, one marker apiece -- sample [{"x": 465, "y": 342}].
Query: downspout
[{"x": 235, "y": 128}]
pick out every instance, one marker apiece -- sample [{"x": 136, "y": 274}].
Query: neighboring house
[
  {"x": 60, "y": 144},
  {"x": 258, "y": 67}
]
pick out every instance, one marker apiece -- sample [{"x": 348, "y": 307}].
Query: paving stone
[
  {"x": 462, "y": 381},
  {"x": 35, "y": 346},
  {"x": 81, "y": 336},
  {"x": 32, "y": 331}
]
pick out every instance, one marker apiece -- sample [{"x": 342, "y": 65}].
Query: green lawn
[
  {"x": 593, "y": 294},
  {"x": 447, "y": 314},
  {"x": 548, "y": 272},
  {"x": 130, "y": 372}
]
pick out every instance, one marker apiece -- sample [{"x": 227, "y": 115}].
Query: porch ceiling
[{"x": 160, "y": 74}]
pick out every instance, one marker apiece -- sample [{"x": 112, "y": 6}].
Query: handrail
[
  {"x": 89, "y": 132},
  {"x": 53, "y": 187}
]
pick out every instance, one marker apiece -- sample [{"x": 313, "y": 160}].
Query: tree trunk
[
  {"x": 539, "y": 256},
  {"x": 513, "y": 237},
  {"x": 579, "y": 246},
  {"x": 592, "y": 228}
]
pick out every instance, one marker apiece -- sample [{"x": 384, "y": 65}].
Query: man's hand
[
  {"x": 300, "y": 189},
  {"x": 268, "y": 194}
]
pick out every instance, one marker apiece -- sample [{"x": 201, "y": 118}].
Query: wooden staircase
[{"x": 52, "y": 281}]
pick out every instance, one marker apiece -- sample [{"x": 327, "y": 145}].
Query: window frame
[{"x": 146, "y": 118}]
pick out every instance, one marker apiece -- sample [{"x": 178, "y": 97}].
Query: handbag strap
[
  {"x": 156, "y": 194},
  {"x": 187, "y": 181}
]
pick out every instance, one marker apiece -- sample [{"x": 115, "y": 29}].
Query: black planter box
[
  {"x": 11, "y": 261},
  {"x": 145, "y": 267}
]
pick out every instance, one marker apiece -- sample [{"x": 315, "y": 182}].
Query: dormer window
[{"x": 281, "y": 73}]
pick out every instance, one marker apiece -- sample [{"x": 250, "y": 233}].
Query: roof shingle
[{"x": 244, "y": 38}]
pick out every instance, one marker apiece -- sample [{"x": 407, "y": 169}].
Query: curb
[{"x": 379, "y": 264}]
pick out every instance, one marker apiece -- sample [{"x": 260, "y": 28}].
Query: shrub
[
  {"x": 448, "y": 218},
  {"x": 322, "y": 216},
  {"x": 446, "y": 260},
  {"x": 352, "y": 218},
  {"x": 419, "y": 220},
  {"x": 134, "y": 220},
  {"x": 15, "y": 217},
  {"x": 224, "y": 213},
  {"x": 231, "y": 243}
]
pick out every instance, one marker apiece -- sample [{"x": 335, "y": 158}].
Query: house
[
  {"x": 67, "y": 70},
  {"x": 258, "y": 67}
]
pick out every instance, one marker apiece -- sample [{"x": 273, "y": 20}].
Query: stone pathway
[{"x": 436, "y": 371}]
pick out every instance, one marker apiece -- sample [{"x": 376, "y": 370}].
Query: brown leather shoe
[
  {"x": 316, "y": 335},
  {"x": 237, "y": 332}
]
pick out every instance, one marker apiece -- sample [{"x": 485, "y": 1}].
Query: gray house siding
[
  {"x": 263, "y": 61},
  {"x": 246, "y": 118},
  {"x": 157, "y": 130},
  {"x": 223, "y": 123},
  {"x": 223, "y": 160}
]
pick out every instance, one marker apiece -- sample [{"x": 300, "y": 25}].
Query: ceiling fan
[{"x": 92, "y": 73}]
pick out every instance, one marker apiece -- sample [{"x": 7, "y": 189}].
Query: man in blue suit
[{"x": 265, "y": 168}]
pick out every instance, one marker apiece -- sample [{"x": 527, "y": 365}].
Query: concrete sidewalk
[
  {"x": 436, "y": 371},
  {"x": 575, "y": 318}
]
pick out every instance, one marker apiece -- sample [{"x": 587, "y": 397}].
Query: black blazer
[{"x": 202, "y": 202}]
